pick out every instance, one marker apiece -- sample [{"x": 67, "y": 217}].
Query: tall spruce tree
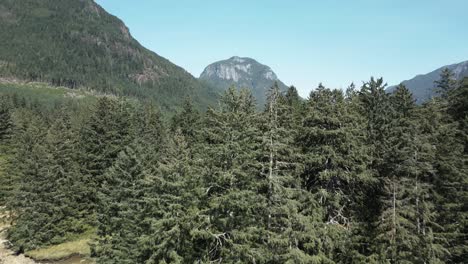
[
  {"x": 102, "y": 137},
  {"x": 374, "y": 105},
  {"x": 63, "y": 167},
  {"x": 405, "y": 225},
  {"x": 446, "y": 83},
  {"x": 289, "y": 224},
  {"x": 121, "y": 210},
  {"x": 174, "y": 193},
  {"x": 51, "y": 191},
  {"x": 445, "y": 122},
  {"x": 335, "y": 165},
  {"x": 6, "y": 122},
  {"x": 234, "y": 207},
  {"x": 31, "y": 202},
  {"x": 7, "y": 180},
  {"x": 187, "y": 121}
]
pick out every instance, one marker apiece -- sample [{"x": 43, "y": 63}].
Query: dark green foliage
[
  {"x": 121, "y": 209},
  {"x": 103, "y": 136},
  {"x": 446, "y": 122},
  {"x": 174, "y": 194},
  {"x": 446, "y": 84},
  {"x": 236, "y": 209},
  {"x": 6, "y": 122},
  {"x": 34, "y": 185},
  {"x": 187, "y": 121},
  {"x": 288, "y": 205},
  {"x": 356, "y": 177},
  {"x": 375, "y": 107},
  {"x": 407, "y": 210},
  {"x": 50, "y": 196},
  {"x": 335, "y": 163},
  {"x": 7, "y": 180}
]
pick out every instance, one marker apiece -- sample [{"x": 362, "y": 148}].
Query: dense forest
[{"x": 355, "y": 176}]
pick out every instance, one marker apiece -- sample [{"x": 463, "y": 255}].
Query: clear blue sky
[{"x": 304, "y": 41}]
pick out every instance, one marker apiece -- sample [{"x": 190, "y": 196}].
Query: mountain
[
  {"x": 77, "y": 44},
  {"x": 422, "y": 86},
  {"x": 242, "y": 72}
]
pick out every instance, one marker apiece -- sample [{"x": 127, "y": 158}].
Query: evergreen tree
[
  {"x": 174, "y": 193},
  {"x": 151, "y": 135},
  {"x": 358, "y": 177},
  {"x": 234, "y": 207},
  {"x": 288, "y": 225},
  {"x": 51, "y": 191},
  {"x": 6, "y": 122},
  {"x": 405, "y": 226},
  {"x": 188, "y": 121},
  {"x": 373, "y": 103},
  {"x": 445, "y": 122},
  {"x": 446, "y": 84},
  {"x": 62, "y": 162},
  {"x": 31, "y": 200},
  {"x": 102, "y": 137},
  {"x": 375, "y": 107},
  {"x": 335, "y": 164},
  {"x": 7, "y": 180},
  {"x": 121, "y": 210}
]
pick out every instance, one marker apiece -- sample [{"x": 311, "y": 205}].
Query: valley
[{"x": 111, "y": 153}]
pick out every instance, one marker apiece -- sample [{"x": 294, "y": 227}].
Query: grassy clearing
[
  {"x": 65, "y": 250},
  {"x": 44, "y": 94}
]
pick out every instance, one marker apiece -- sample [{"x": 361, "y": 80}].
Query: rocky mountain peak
[{"x": 242, "y": 72}]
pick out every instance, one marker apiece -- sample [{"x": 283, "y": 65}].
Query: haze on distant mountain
[
  {"x": 242, "y": 73},
  {"x": 422, "y": 86},
  {"x": 78, "y": 44}
]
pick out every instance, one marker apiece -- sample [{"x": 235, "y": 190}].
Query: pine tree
[
  {"x": 102, "y": 137},
  {"x": 445, "y": 123},
  {"x": 174, "y": 194},
  {"x": 288, "y": 223},
  {"x": 6, "y": 122},
  {"x": 31, "y": 199},
  {"x": 458, "y": 109},
  {"x": 121, "y": 210},
  {"x": 365, "y": 207},
  {"x": 335, "y": 164},
  {"x": 375, "y": 107},
  {"x": 7, "y": 180},
  {"x": 373, "y": 103},
  {"x": 49, "y": 199},
  {"x": 446, "y": 84},
  {"x": 63, "y": 167},
  {"x": 234, "y": 207},
  {"x": 188, "y": 121},
  {"x": 405, "y": 226},
  {"x": 151, "y": 135}
]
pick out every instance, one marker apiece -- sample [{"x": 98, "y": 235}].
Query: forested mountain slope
[
  {"x": 422, "y": 86},
  {"x": 76, "y": 43}
]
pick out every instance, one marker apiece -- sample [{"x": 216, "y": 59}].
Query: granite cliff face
[{"x": 242, "y": 73}]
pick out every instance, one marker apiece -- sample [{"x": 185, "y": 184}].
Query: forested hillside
[
  {"x": 360, "y": 176},
  {"x": 77, "y": 44},
  {"x": 422, "y": 86}
]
